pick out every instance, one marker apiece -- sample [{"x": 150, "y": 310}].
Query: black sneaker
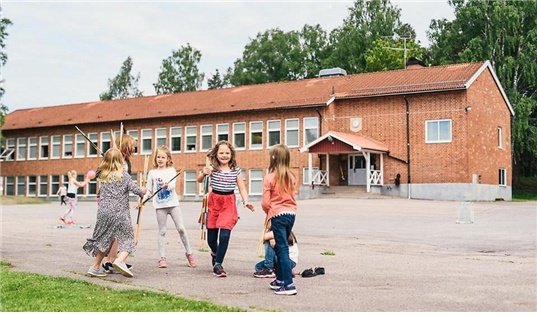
[
  {"x": 286, "y": 290},
  {"x": 218, "y": 271},
  {"x": 265, "y": 273},
  {"x": 108, "y": 267}
]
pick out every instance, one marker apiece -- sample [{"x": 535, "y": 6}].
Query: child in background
[
  {"x": 62, "y": 192},
  {"x": 113, "y": 215},
  {"x": 265, "y": 268},
  {"x": 166, "y": 203},
  {"x": 279, "y": 202},
  {"x": 72, "y": 188},
  {"x": 224, "y": 175}
]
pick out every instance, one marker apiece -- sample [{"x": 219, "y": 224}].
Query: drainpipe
[{"x": 408, "y": 142}]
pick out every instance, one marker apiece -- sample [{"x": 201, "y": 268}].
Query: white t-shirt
[
  {"x": 166, "y": 197},
  {"x": 293, "y": 252}
]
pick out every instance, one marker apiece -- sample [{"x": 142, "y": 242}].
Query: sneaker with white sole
[
  {"x": 190, "y": 260},
  {"x": 96, "y": 273},
  {"x": 122, "y": 268},
  {"x": 286, "y": 290},
  {"x": 218, "y": 271},
  {"x": 265, "y": 273},
  {"x": 276, "y": 284}
]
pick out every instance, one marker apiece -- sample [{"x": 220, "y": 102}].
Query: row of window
[
  {"x": 68, "y": 145},
  {"x": 45, "y": 186}
]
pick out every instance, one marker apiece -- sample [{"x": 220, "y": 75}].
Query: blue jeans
[
  {"x": 269, "y": 259},
  {"x": 281, "y": 228},
  {"x": 270, "y": 256}
]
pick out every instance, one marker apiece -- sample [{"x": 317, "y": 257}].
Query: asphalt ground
[{"x": 380, "y": 255}]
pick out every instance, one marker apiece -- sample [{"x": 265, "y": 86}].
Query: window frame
[
  {"x": 502, "y": 177},
  {"x": 220, "y": 132},
  {"x": 176, "y": 133},
  {"x": 238, "y": 132},
  {"x": 438, "y": 132},
  {"x": 290, "y": 129},
  {"x": 256, "y": 130},
  {"x": 272, "y": 130},
  {"x": 206, "y": 133},
  {"x": 192, "y": 133}
]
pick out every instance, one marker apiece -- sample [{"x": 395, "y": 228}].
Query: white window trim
[
  {"x": 500, "y": 138},
  {"x": 19, "y": 146},
  {"x": 427, "y": 141},
  {"x": 252, "y": 130},
  {"x": 204, "y": 134},
  {"x": 239, "y": 132},
  {"x": 34, "y": 145},
  {"x": 251, "y": 179},
  {"x": 10, "y": 144},
  {"x": 79, "y": 139},
  {"x": 191, "y": 134},
  {"x": 288, "y": 129},
  {"x": 94, "y": 138},
  {"x": 41, "y": 144},
  {"x": 163, "y": 135},
  {"x": 220, "y": 132},
  {"x": 64, "y": 155},
  {"x": 269, "y": 130},
  {"x": 143, "y": 150},
  {"x": 58, "y": 144},
  {"x": 186, "y": 180},
  {"x": 134, "y": 134},
  {"x": 306, "y": 128},
  {"x": 176, "y": 132},
  {"x": 503, "y": 174}
]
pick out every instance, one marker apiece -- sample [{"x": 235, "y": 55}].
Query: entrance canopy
[{"x": 337, "y": 142}]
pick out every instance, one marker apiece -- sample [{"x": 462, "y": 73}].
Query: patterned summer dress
[{"x": 114, "y": 217}]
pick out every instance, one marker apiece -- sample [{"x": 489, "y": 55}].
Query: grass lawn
[{"x": 29, "y": 292}]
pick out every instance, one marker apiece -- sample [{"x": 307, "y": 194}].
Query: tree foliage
[
  {"x": 219, "y": 81},
  {"x": 4, "y": 23},
  {"x": 368, "y": 22},
  {"x": 179, "y": 72},
  {"x": 124, "y": 85},
  {"x": 388, "y": 54},
  {"x": 505, "y": 33}
]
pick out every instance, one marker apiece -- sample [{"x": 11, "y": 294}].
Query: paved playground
[{"x": 380, "y": 255}]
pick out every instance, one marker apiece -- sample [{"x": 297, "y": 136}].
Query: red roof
[{"x": 270, "y": 96}]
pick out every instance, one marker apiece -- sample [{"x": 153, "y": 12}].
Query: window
[
  {"x": 438, "y": 131},
  {"x": 21, "y": 149},
  {"x": 190, "y": 183},
  {"x": 291, "y": 133},
  {"x": 7, "y": 154},
  {"x": 206, "y": 137},
  {"x": 306, "y": 175},
  {"x": 56, "y": 143},
  {"x": 32, "y": 185},
  {"x": 274, "y": 128},
  {"x": 80, "y": 146},
  {"x": 175, "y": 142},
  {"x": 21, "y": 185},
  {"x": 256, "y": 182},
  {"x": 502, "y": 177},
  {"x": 147, "y": 139},
  {"x": 500, "y": 138},
  {"x": 311, "y": 129},
  {"x": 105, "y": 141},
  {"x": 239, "y": 135},
  {"x": 92, "y": 152},
  {"x": 43, "y": 147},
  {"x": 190, "y": 139},
  {"x": 43, "y": 185},
  {"x": 256, "y": 135},
  {"x": 10, "y": 186},
  {"x": 160, "y": 134},
  {"x": 32, "y": 148},
  {"x": 67, "y": 146},
  {"x": 55, "y": 184},
  {"x": 134, "y": 134},
  {"x": 222, "y": 132}
]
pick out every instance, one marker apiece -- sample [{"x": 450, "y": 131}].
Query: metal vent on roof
[{"x": 332, "y": 72}]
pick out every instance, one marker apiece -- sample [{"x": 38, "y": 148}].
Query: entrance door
[{"x": 357, "y": 173}]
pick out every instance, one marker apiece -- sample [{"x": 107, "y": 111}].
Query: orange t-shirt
[{"x": 273, "y": 201}]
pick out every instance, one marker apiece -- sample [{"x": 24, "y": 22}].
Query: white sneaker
[
  {"x": 122, "y": 268},
  {"x": 96, "y": 273}
]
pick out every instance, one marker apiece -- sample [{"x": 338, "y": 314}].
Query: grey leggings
[{"x": 177, "y": 216}]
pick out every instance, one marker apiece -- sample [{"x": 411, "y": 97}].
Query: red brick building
[{"x": 422, "y": 132}]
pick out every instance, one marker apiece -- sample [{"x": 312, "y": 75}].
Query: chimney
[
  {"x": 414, "y": 63},
  {"x": 332, "y": 72}
]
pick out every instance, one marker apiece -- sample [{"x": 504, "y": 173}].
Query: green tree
[
  {"x": 219, "y": 81},
  {"x": 179, "y": 72},
  {"x": 315, "y": 48},
  {"x": 388, "y": 54},
  {"x": 124, "y": 85},
  {"x": 368, "y": 21},
  {"x": 4, "y": 23},
  {"x": 505, "y": 33}
]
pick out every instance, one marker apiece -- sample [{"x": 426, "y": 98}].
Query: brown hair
[{"x": 213, "y": 155}]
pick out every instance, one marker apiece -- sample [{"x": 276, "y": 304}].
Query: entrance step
[{"x": 349, "y": 192}]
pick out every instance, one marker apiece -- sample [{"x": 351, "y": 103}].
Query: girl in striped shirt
[{"x": 224, "y": 175}]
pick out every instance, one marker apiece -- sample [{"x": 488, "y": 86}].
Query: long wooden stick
[
  {"x": 99, "y": 151},
  {"x": 204, "y": 206},
  {"x": 160, "y": 189},
  {"x": 260, "y": 248},
  {"x": 144, "y": 182}
]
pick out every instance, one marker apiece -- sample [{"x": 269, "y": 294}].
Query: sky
[{"x": 64, "y": 52}]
